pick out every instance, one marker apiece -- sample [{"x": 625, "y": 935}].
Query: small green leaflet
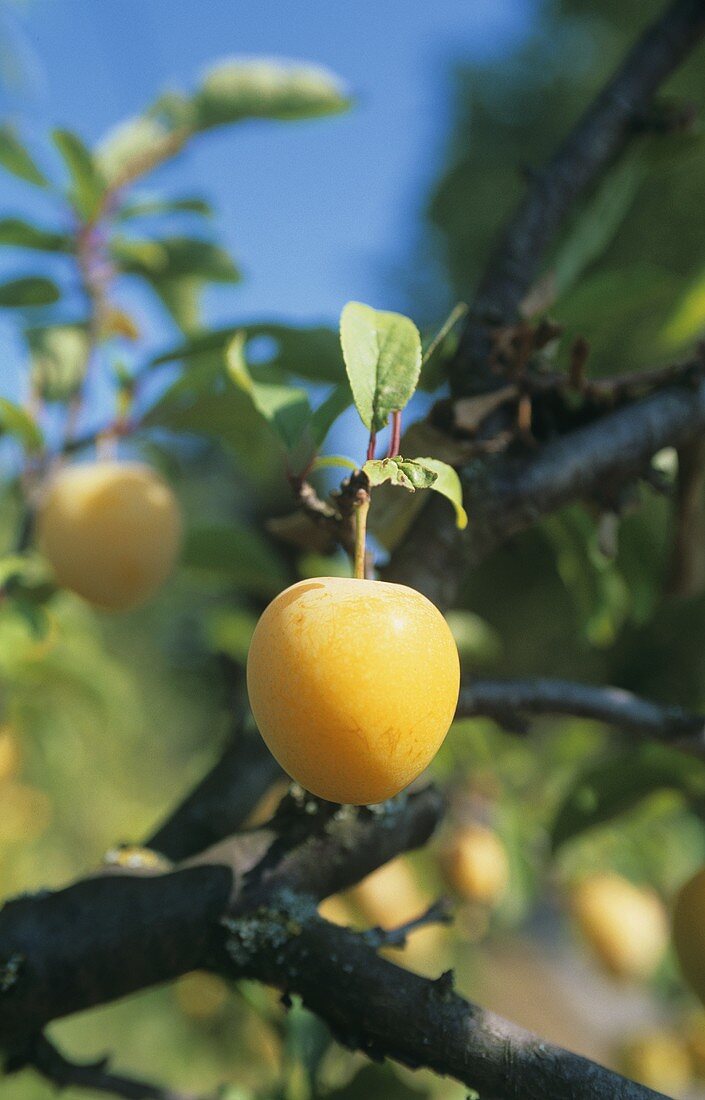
[
  {"x": 286, "y": 408},
  {"x": 24, "y": 234},
  {"x": 448, "y": 484},
  {"x": 87, "y": 183},
  {"x": 382, "y": 353},
  {"x": 29, "y": 291},
  {"x": 325, "y": 462},
  {"x": 15, "y": 158},
  {"x": 399, "y": 471},
  {"x": 14, "y": 420}
]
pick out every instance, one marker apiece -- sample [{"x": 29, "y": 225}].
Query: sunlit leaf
[
  {"x": 87, "y": 183},
  {"x": 448, "y": 484},
  {"x": 59, "y": 355},
  {"x": 286, "y": 408},
  {"x": 382, "y": 353},
  {"x": 244, "y": 88},
  {"x": 16, "y": 421}
]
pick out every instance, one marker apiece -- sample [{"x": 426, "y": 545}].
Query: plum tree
[
  {"x": 353, "y": 685},
  {"x": 475, "y": 863},
  {"x": 625, "y": 925},
  {"x": 111, "y": 531}
]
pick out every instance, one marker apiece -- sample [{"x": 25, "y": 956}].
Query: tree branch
[
  {"x": 591, "y": 146},
  {"x": 509, "y": 701},
  {"x": 116, "y": 933},
  {"x": 376, "y": 1007},
  {"x": 41, "y": 1055}
]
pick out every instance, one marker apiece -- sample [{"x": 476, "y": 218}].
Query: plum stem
[
  {"x": 395, "y": 438},
  {"x": 362, "y": 507}
]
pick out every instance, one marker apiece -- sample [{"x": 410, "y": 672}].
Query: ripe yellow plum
[
  {"x": 625, "y": 925},
  {"x": 689, "y": 932},
  {"x": 658, "y": 1059},
  {"x": 111, "y": 531},
  {"x": 353, "y": 685},
  {"x": 475, "y": 863}
]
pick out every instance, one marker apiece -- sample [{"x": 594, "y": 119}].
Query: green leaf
[
  {"x": 156, "y": 207},
  {"x": 59, "y": 356},
  {"x": 230, "y": 632},
  {"x": 14, "y": 158},
  {"x": 136, "y": 146},
  {"x": 87, "y": 183},
  {"x": 30, "y": 291},
  {"x": 382, "y": 353},
  {"x": 328, "y": 412},
  {"x": 324, "y": 462},
  {"x": 174, "y": 257},
  {"x": 22, "y": 234},
  {"x": 286, "y": 408},
  {"x": 312, "y": 353},
  {"x": 409, "y": 474},
  {"x": 615, "y": 785},
  {"x": 238, "y": 554},
  {"x": 594, "y": 228},
  {"x": 448, "y": 484},
  {"x": 14, "y": 420},
  {"x": 250, "y": 88}
]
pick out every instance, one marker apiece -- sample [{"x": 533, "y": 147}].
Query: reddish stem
[
  {"x": 371, "y": 446},
  {"x": 395, "y": 438}
]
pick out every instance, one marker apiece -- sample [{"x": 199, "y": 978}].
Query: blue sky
[{"x": 315, "y": 213}]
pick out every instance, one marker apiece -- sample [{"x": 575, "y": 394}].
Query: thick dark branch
[
  {"x": 510, "y": 493},
  {"x": 111, "y": 935},
  {"x": 376, "y": 1007},
  {"x": 47, "y": 1060},
  {"x": 510, "y": 701},
  {"x": 586, "y": 152}
]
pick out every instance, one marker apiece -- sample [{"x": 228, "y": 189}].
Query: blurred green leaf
[
  {"x": 135, "y": 147},
  {"x": 16, "y": 421},
  {"x": 382, "y": 353},
  {"x": 238, "y": 554},
  {"x": 448, "y": 484},
  {"x": 286, "y": 408},
  {"x": 596, "y": 225},
  {"x": 59, "y": 355},
  {"x": 29, "y": 291},
  {"x": 250, "y": 88},
  {"x": 155, "y": 207},
  {"x": 174, "y": 257},
  {"x": 377, "y": 1083},
  {"x": 325, "y": 416},
  {"x": 312, "y": 353},
  {"x": 230, "y": 632},
  {"x": 23, "y": 234},
  {"x": 408, "y": 473},
  {"x": 87, "y": 183},
  {"x": 616, "y": 784},
  {"x": 475, "y": 638},
  {"x": 14, "y": 158}
]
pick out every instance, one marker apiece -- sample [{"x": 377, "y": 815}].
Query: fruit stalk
[{"x": 362, "y": 507}]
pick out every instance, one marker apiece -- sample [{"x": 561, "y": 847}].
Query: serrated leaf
[
  {"x": 244, "y": 88},
  {"x": 286, "y": 408},
  {"x": 34, "y": 290},
  {"x": 14, "y": 158},
  {"x": 23, "y": 234},
  {"x": 87, "y": 183},
  {"x": 59, "y": 356},
  {"x": 312, "y": 353},
  {"x": 448, "y": 484},
  {"x": 328, "y": 412},
  {"x": 238, "y": 554},
  {"x": 382, "y": 353},
  {"x": 615, "y": 785},
  {"x": 16, "y": 421},
  {"x": 410, "y": 474}
]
